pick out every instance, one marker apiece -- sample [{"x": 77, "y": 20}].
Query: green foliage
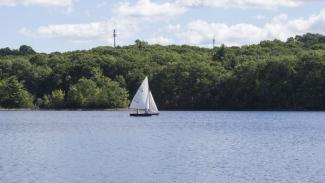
[
  {"x": 272, "y": 74},
  {"x": 14, "y": 95},
  {"x": 311, "y": 40},
  {"x": 25, "y": 50},
  {"x": 83, "y": 94},
  {"x": 110, "y": 94},
  {"x": 54, "y": 100},
  {"x": 98, "y": 92},
  {"x": 220, "y": 53}
]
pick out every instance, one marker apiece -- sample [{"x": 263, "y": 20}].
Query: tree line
[{"x": 269, "y": 75}]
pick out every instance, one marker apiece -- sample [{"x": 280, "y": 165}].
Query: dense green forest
[{"x": 269, "y": 75}]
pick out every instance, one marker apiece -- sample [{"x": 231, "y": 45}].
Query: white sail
[
  {"x": 152, "y": 105},
  {"x": 140, "y": 99}
]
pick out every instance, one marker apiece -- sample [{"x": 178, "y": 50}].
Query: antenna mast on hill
[
  {"x": 114, "y": 35},
  {"x": 214, "y": 41}
]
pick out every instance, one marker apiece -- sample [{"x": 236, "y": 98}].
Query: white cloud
[
  {"x": 48, "y": 3},
  {"x": 160, "y": 40},
  {"x": 201, "y": 32},
  {"x": 198, "y": 32},
  {"x": 94, "y": 31},
  {"x": 129, "y": 19},
  {"x": 268, "y": 4},
  {"x": 148, "y": 9},
  {"x": 281, "y": 27}
]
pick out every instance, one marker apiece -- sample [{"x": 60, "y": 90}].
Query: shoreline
[
  {"x": 184, "y": 109},
  {"x": 26, "y": 109}
]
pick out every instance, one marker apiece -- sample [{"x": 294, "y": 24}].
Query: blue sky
[{"x": 63, "y": 25}]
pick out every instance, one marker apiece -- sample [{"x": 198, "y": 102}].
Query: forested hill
[{"x": 270, "y": 75}]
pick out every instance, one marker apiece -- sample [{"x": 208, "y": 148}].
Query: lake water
[{"x": 200, "y": 147}]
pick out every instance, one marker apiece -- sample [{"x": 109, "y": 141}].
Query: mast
[
  {"x": 114, "y": 35},
  {"x": 152, "y": 104},
  {"x": 147, "y": 109}
]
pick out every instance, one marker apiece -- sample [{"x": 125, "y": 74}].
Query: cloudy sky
[{"x": 62, "y": 25}]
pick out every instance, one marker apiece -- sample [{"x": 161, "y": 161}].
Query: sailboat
[{"x": 143, "y": 102}]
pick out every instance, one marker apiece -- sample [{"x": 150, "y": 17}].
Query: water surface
[{"x": 203, "y": 147}]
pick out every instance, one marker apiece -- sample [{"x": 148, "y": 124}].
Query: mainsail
[{"x": 139, "y": 101}]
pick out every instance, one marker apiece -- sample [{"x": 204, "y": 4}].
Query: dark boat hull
[{"x": 143, "y": 114}]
